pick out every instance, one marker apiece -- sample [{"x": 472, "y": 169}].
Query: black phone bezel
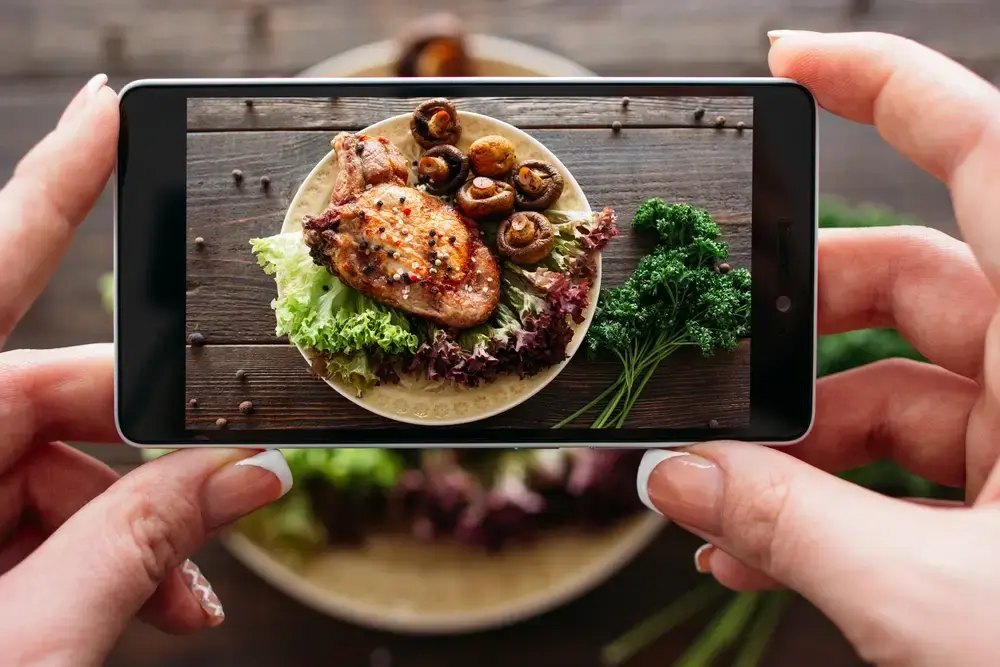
[{"x": 150, "y": 268}]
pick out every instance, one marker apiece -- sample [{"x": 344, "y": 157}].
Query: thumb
[
  {"x": 102, "y": 565},
  {"x": 811, "y": 531}
]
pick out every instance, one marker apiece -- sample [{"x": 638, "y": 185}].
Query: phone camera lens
[{"x": 783, "y": 304}]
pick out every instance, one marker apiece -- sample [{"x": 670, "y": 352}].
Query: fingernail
[
  {"x": 682, "y": 486},
  {"x": 703, "y": 558},
  {"x": 241, "y": 487},
  {"x": 774, "y": 35},
  {"x": 203, "y": 593},
  {"x": 95, "y": 84}
]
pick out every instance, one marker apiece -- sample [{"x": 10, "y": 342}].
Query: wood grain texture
[
  {"x": 686, "y": 391},
  {"x": 229, "y": 295},
  {"x": 627, "y": 37},
  {"x": 346, "y": 113}
]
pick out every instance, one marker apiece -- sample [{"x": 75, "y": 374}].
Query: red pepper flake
[
  {"x": 383, "y": 140},
  {"x": 406, "y": 211},
  {"x": 413, "y": 278}
]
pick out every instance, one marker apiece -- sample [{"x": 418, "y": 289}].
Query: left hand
[{"x": 82, "y": 551}]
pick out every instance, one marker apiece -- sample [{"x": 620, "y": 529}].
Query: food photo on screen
[{"x": 503, "y": 262}]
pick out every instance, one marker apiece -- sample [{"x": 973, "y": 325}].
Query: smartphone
[{"x": 465, "y": 262}]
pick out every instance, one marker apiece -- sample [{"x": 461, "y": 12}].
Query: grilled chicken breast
[{"x": 398, "y": 245}]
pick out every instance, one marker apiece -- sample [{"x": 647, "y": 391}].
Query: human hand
[
  {"x": 909, "y": 583},
  {"x": 82, "y": 551}
]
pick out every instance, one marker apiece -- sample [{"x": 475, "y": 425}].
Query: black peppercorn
[
  {"x": 390, "y": 280},
  {"x": 368, "y": 268},
  {"x": 196, "y": 339},
  {"x": 699, "y": 113},
  {"x": 423, "y": 283},
  {"x": 451, "y": 239},
  {"x": 406, "y": 277},
  {"x": 378, "y": 202},
  {"x": 326, "y": 288},
  {"x": 364, "y": 245},
  {"x": 434, "y": 290},
  {"x": 360, "y": 148},
  {"x": 402, "y": 200},
  {"x": 246, "y": 407},
  {"x": 381, "y": 230},
  {"x": 361, "y": 214},
  {"x": 378, "y": 246},
  {"x": 431, "y": 242}
]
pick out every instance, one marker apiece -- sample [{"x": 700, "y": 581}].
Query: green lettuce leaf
[
  {"x": 347, "y": 468},
  {"x": 316, "y": 310},
  {"x": 355, "y": 369}
]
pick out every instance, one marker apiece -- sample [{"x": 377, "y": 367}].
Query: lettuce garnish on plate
[{"x": 317, "y": 311}]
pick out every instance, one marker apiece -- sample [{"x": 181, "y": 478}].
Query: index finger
[
  {"x": 51, "y": 192},
  {"x": 928, "y": 107}
]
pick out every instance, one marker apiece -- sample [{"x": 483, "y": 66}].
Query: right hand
[{"x": 909, "y": 583}]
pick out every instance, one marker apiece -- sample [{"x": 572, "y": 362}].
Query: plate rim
[
  {"x": 261, "y": 561},
  {"x": 481, "y": 46},
  {"x": 551, "y": 373}
]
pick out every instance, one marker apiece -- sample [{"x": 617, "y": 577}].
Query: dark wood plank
[
  {"x": 229, "y": 295},
  {"x": 238, "y": 38},
  {"x": 687, "y": 390},
  {"x": 345, "y": 113}
]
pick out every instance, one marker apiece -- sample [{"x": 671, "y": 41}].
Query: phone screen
[{"x": 487, "y": 268}]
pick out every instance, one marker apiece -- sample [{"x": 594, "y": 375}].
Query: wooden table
[
  {"x": 48, "y": 48},
  {"x": 662, "y": 150}
]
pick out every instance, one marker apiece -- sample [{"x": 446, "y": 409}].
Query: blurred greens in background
[{"x": 744, "y": 626}]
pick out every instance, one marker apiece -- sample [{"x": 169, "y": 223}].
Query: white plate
[
  {"x": 399, "y": 584},
  {"x": 492, "y": 56},
  {"x": 424, "y": 402}
]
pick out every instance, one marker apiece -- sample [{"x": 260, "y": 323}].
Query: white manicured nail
[
  {"x": 274, "y": 462},
  {"x": 96, "y": 83},
  {"x": 703, "y": 558},
  {"x": 650, "y": 460},
  {"x": 203, "y": 593}
]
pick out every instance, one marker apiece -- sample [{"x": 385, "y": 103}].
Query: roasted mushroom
[
  {"x": 483, "y": 197},
  {"x": 434, "y": 46},
  {"x": 537, "y": 185},
  {"x": 525, "y": 237},
  {"x": 442, "y": 169},
  {"x": 436, "y": 123},
  {"x": 492, "y": 156}
]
